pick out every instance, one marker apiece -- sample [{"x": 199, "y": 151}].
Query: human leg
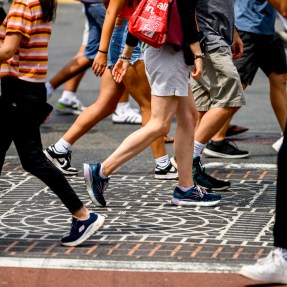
[{"x": 273, "y": 268}]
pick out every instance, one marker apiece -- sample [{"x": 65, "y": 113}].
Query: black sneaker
[
  {"x": 224, "y": 149},
  {"x": 60, "y": 160},
  {"x": 195, "y": 196},
  {"x": 81, "y": 230},
  {"x": 200, "y": 177},
  {"x": 169, "y": 172}
]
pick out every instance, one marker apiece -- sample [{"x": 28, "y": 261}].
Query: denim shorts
[
  {"x": 95, "y": 14},
  {"x": 117, "y": 45}
]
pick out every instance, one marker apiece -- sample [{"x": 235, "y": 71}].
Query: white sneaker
[
  {"x": 272, "y": 269},
  {"x": 73, "y": 108},
  {"x": 127, "y": 115},
  {"x": 277, "y": 145}
]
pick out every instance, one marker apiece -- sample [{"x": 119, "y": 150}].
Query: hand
[
  {"x": 198, "y": 69},
  {"x": 237, "y": 47},
  {"x": 120, "y": 70},
  {"x": 99, "y": 64}
]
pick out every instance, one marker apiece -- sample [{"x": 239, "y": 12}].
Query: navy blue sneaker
[
  {"x": 195, "y": 196},
  {"x": 81, "y": 230},
  {"x": 95, "y": 184}
]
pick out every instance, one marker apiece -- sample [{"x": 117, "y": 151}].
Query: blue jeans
[
  {"x": 95, "y": 14},
  {"x": 117, "y": 45}
]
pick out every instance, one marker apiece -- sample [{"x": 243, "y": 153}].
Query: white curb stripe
[
  {"x": 230, "y": 165},
  {"x": 143, "y": 266}
]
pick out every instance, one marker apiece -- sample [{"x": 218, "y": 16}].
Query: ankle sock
[
  {"x": 162, "y": 161},
  {"x": 197, "y": 149},
  {"x": 68, "y": 97},
  {"x": 62, "y": 146},
  {"x": 184, "y": 189},
  {"x": 50, "y": 89},
  {"x": 101, "y": 173}
]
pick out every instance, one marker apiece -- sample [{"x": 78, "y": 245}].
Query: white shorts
[{"x": 166, "y": 71}]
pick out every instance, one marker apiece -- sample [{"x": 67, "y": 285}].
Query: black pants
[
  {"x": 22, "y": 109},
  {"x": 280, "y": 227}
]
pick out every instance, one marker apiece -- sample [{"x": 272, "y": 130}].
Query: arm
[
  {"x": 100, "y": 61},
  {"x": 10, "y": 46},
  {"x": 280, "y": 6},
  {"x": 237, "y": 46}
]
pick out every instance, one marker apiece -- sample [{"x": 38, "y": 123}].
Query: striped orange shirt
[{"x": 30, "y": 62}]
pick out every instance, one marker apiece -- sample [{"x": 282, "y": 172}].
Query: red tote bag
[{"x": 149, "y": 23}]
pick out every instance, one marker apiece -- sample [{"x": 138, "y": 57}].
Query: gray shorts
[
  {"x": 220, "y": 84},
  {"x": 166, "y": 71}
]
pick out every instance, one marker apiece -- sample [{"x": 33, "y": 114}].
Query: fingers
[{"x": 99, "y": 69}]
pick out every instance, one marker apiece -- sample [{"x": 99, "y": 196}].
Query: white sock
[
  {"x": 122, "y": 106},
  {"x": 101, "y": 173},
  {"x": 50, "y": 89},
  {"x": 184, "y": 189},
  {"x": 62, "y": 146},
  {"x": 197, "y": 149},
  {"x": 67, "y": 97},
  {"x": 162, "y": 161}
]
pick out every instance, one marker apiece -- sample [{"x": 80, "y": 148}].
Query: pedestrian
[
  {"x": 168, "y": 76},
  {"x": 218, "y": 93},
  {"x": 111, "y": 45},
  {"x": 273, "y": 268},
  {"x": 24, "y": 37},
  {"x": 263, "y": 48}
]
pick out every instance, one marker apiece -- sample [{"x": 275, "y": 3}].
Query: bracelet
[
  {"x": 104, "y": 52},
  {"x": 125, "y": 58},
  {"x": 199, "y": 56}
]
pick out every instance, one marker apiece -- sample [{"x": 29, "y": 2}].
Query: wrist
[
  {"x": 103, "y": 52},
  {"x": 125, "y": 58},
  {"x": 199, "y": 56}
]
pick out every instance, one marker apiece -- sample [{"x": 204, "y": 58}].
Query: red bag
[{"x": 149, "y": 22}]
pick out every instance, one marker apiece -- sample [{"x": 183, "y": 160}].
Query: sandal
[
  {"x": 234, "y": 130},
  {"x": 168, "y": 139}
]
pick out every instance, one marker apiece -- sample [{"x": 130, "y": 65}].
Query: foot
[
  {"x": 195, "y": 196},
  {"x": 60, "y": 160},
  {"x": 81, "y": 230},
  {"x": 272, "y": 269},
  {"x": 234, "y": 130},
  {"x": 224, "y": 149},
  {"x": 73, "y": 108},
  {"x": 201, "y": 178},
  {"x": 169, "y": 172},
  {"x": 127, "y": 115},
  {"x": 95, "y": 184}
]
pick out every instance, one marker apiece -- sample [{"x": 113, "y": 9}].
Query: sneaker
[
  {"x": 74, "y": 108},
  {"x": 127, "y": 115},
  {"x": 169, "y": 172},
  {"x": 81, "y": 230},
  {"x": 272, "y": 269},
  {"x": 224, "y": 149},
  {"x": 277, "y": 145},
  {"x": 95, "y": 184},
  {"x": 195, "y": 196},
  {"x": 60, "y": 160},
  {"x": 200, "y": 177}
]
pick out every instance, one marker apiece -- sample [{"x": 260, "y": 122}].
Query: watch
[{"x": 201, "y": 56}]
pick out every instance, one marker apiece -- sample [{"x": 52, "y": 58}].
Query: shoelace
[
  {"x": 73, "y": 226},
  {"x": 201, "y": 190}
]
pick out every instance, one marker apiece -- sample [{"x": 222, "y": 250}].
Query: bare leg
[{"x": 137, "y": 85}]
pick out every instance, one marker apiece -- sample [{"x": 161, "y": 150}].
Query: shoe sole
[
  {"x": 126, "y": 123},
  {"x": 217, "y": 188},
  {"x": 222, "y": 155},
  {"x": 89, "y": 232},
  {"x": 260, "y": 278},
  {"x": 89, "y": 184},
  {"x": 57, "y": 165},
  {"x": 167, "y": 177},
  {"x": 178, "y": 202}
]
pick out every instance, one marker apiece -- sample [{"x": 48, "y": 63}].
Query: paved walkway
[{"x": 145, "y": 241}]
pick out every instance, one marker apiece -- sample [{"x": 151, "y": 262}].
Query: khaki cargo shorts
[{"x": 220, "y": 84}]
